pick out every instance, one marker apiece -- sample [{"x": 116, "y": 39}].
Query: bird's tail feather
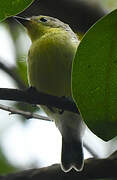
[{"x": 72, "y": 155}]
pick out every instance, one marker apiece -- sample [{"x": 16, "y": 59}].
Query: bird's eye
[{"x": 43, "y": 19}]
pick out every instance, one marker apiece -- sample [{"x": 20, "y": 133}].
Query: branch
[
  {"x": 32, "y": 96},
  {"x": 27, "y": 115},
  {"x": 93, "y": 168}
]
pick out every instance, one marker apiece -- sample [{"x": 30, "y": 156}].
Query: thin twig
[
  {"x": 33, "y": 97},
  {"x": 27, "y": 115}
]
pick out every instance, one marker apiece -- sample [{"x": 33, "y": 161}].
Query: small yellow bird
[{"x": 49, "y": 64}]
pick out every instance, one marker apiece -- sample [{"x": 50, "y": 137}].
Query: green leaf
[
  {"x": 94, "y": 81},
  {"x": 22, "y": 69},
  {"x": 12, "y": 7}
]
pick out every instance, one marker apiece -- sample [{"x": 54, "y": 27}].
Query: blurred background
[{"x": 35, "y": 143}]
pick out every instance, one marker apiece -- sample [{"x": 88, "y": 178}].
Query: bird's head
[{"x": 39, "y": 25}]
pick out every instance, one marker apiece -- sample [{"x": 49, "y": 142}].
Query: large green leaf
[
  {"x": 94, "y": 81},
  {"x": 12, "y": 7}
]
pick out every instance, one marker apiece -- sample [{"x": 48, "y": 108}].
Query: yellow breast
[{"x": 50, "y": 61}]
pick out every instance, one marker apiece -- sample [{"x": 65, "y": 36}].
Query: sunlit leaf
[
  {"x": 94, "y": 80},
  {"x": 12, "y": 7}
]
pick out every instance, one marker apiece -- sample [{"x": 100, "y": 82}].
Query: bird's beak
[{"x": 23, "y": 21}]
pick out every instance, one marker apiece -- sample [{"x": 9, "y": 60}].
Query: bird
[{"x": 49, "y": 65}]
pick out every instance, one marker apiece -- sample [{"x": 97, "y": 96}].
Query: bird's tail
[{"x": 72, "y": 155}]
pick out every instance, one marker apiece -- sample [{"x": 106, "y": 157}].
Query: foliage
[
  {"x": 94, "y": 73},
  {"x": 22, "y": 70},
  {"x": 5, "y": 166},
  {"x": 94, "y": 78},
  {"x": 12, "y": 7}
]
